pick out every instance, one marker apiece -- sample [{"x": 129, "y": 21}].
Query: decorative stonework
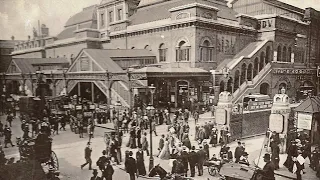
[
  {"x": 207, "y": 15},
  {"x": 182, "y": 15}
]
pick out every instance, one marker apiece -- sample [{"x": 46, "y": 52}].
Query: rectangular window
[
  {"x": 110, "y": 16},
  {"x": 119, "y": 15},
  {"x": 84, "y": 64},
  {"x": 102, "y": 19},
  {"x": 162, "y": 55},
  {"x": 183, "y": 54}
]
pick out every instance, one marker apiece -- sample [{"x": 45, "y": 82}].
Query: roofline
[{"x": 282, "y": 3}]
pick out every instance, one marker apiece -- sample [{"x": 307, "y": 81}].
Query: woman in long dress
[{"x": 165, "y": 152}]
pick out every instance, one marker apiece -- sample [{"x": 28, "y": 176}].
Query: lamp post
[
  {"x": 118, "y": 105},
  {"x": 40, "y": 89},
  {"x": 150, "y": 109},
  {"x": 152, "y": 91}
]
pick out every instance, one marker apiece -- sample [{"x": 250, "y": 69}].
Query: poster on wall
[
  {"x": 304, "y": 121},
  {"x": 221, "y": 116},
  {"x": 276, "y": 122}
]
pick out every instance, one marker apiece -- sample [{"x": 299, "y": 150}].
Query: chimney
[
  {"x": 12, "y": 38},
  {"x": 29, "y": 37}
]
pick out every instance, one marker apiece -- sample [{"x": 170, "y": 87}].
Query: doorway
[{"x": 182, "y": 94}]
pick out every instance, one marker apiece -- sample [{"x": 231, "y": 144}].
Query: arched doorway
[
  {"x": 264, "y": 88},
  {"x": 182, "y": 92},
  {"x": 249, "y": 72},
  {"x": 243, "y": 73},
  {"x": 229, "y": 85},
  {"x": 282, "y": 86}
]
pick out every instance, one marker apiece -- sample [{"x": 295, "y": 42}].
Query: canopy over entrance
[{"x": 310, "y": 105}]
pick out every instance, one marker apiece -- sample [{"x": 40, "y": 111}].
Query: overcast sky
[{"x": 18, "y": 17}]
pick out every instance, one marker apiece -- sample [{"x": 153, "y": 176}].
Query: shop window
[
  {"x": 162, "y": 53},
  {"x": 183, "y": 52}
]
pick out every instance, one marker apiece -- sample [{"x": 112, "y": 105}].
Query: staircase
[{"x": 250, "y": 85}]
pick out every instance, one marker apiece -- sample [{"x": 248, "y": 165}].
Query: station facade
[{"x": 192, "y": 49}]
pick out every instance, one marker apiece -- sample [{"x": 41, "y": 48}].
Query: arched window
[
  {"x": 206, "y": 52},
  {"x": 162, "y": 53},
  {"x": 236, "y": 80},
  {"x": 284, "y": 54},
  {"x": 289, "y": 54},
  {"x": 249, "y": 72},
  {"x": 243, "y": 73},
  {"x": 229, "y": 85},
  {"x": 147, "y": 47},
  {"x": 268, "y": 55},
  {"x": 264, "y": 88},
  {"x": 256, "y": 67},
  {"x": 262, "y": 60},
  {"x": 279, "y": 53},
  {"x": 183, "y": 52}
]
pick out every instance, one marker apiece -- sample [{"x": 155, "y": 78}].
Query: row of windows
[
  {"x": 111, "y": 16},
  {"x": 284, "y": 54}
]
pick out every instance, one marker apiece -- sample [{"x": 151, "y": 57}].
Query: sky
[{"x": 18, "y": 17}]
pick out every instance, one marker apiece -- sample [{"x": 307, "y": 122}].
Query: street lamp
[
  {"x": 118, "y": 106},
  {"x": 152, "y": 91},
  {"x": 150, "y": 109}
]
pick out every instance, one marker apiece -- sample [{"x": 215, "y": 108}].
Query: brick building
[{"x": 274, "y": 47}]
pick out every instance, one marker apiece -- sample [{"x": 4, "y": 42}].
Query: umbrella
[{"x": 310, "y": 105}]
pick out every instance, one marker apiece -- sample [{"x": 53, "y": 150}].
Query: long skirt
[
  {"x": 141, "y": 168},
  {"x": 165, "y": 153}
]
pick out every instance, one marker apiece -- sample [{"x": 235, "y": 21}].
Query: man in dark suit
[
  {"x": 184, "y": 158},
  {"x": 131, "y": 166},
  {"x": 192, "y": 160},
  {"x": 238, "y": 152},
  {"x": 201, "y": 155},
  {"x": 101, "y": 163},
  {"x": 268, "y": 170},
  {"x": 161, "y": 143},
  {"x": 87, "y": 156}
]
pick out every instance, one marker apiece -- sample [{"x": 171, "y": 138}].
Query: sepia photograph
[{"x": 159, "y": 89}]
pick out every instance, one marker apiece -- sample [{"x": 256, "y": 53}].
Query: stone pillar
[
  {"x": 224, "y": 109},
  {"x": 279, "y": 118}
]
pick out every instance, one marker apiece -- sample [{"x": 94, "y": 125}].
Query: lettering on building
[
  {"x": 267, "y": 23},
  {"x": 294, "y": 71}
]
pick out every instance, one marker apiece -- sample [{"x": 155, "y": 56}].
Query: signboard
[
  {"x": 267, "y": 24},
  {"x": 87, "y": 114},
  {"x": 78, "y": 107},
  {"x": 293, "y": 71},
  {"x": 304, "y": 121},
  {"x": 221, "y": 116},
  {"x": 66, "y": 106},
  {"x": 276, "y": 122},
  {"x": 92, "y": 107}
]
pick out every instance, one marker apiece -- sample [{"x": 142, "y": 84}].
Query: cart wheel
[
  {"x": 212, "y": 170},
  {"x": 53, "y": 162}
]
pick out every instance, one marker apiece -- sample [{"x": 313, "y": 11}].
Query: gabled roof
[
  {"x": 26, "y": 65},
  {"x": 160, "y": 11},
  {"x": 310, "y": 105},
  {"x": 87, "y": 14}
]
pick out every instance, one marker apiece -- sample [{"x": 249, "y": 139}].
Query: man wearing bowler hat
[{"x": 268, "y": 170}]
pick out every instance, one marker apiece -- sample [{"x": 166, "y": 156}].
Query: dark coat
[
  {"x": 177, "y": 167},
  {"x": 186, "y": 142},
  {"x": 184, "y": 157},
  {"x": 238, "y": 152},
  {"x": 102, "y": 162},
  {"x": 161, "y": 143},
  {"x": 108, "y": 172},
  {"x": 206, "y": 149},
  {"x": 131, "y": 166},
  {"x": 140, "y": 163},
  {"x": 268, "y": 171},
  {"x": 193, "y": 158},
  {"x": 201, "y": 156}
]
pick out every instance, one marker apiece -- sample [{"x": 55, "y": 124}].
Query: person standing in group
[
  {"x": 87, "y": 156},
  {"x": 196, "y": 116},
  {"x": 201, "y": 155},
  {"x": 275, "y": 158},
  {"x": 102, "y": 161},
  {"x": 161, "y": 144},
  {"x": 113, "y": 149},
  {"x": 192, "y": 160},
  {"x": 108, "y": 172},
  {"x": 153, "y": 126},
  {"x": 184, "y": 157},
  {"x": 80, "y": 126},
  {"x": 10, "y": 119},
  {"x": 268, "y": 170},
  {"x": 7, "y": 136},
  {"x": 238, "y": 152},
  {"x": 139, "y": 136},
  {"x": 165, "y": 151},
  {"x": 131, "y": 166},
  {"x": 206, "y": 149},
  {"x": 214, "y": 137},
  {"x": 141, "y": 169}
]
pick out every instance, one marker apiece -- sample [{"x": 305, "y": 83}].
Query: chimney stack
[{"x": 12, "y": 38}]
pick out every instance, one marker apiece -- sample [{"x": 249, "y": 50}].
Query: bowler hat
[
  {"x": 95, "y": 171},
  {"x": 267, "y": 156}
]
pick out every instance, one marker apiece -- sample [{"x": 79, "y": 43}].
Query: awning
[{"x": 310, "y": 105}]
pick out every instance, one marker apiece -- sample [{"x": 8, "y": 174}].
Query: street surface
[{"x": 70, "y": 150}]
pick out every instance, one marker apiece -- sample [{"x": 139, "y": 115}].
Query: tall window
[
  {"x": 162, "y": 53},
  {"x": 284, "y": 54},
  {"x": 119, "y": 14},
  {"x": 279, "y": 53},
  {"x": 102, "y": 19},
  {"x": 183, "y": 52},
  {"x": 110, "y": 16},
  {"x": 289, "y": 54},
  {"x": 206, "y": 52}
]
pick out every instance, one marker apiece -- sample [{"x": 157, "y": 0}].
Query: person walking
[
  {"x": 101, "y": 163},
  {"x": 196, "y": 116},
  {"x": 214, "y": 137},
  {"x": 108, "y": 172},
  {"x": 186, "y": 142},
  {"x": 184, "y": 157},
  {"x": 268, "y": 170},
  {"x": 161, "y": 144},
  {"x": 141, "y": 169},
  {"x": 275, "y": 158},
  {"x": 201, "y": 155},
  {"x": 113, "y": 149},
  {"x": 165, "y": 151},
  {"x": 139, "y": 137},
  {"x": 238, "y": 152},
  {"x": 10, "y": 119},
  {"x": 144, "y": 143},
  {"x": 153, "y": 126},
  {"x": 87, "y": 156},
  {"x": 192, "y": 160},
  {"x": 131, "y": 166}
]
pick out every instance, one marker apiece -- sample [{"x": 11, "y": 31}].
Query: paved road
[{"x": 70, "y": 151}]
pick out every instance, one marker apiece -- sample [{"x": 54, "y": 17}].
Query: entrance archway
[
  {"x": 182, "y": 92},
  {"x": 264, "y": 88},
  {"x": 89, "y": 91}
]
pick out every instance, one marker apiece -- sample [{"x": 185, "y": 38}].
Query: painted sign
[
  {"x": 276, "y": 122},
  {"x": 294, "y": 71},
  {"x": 267, "y": 24},
  {"x": 304, "y": 121},
  {"x": 226, "y": 43}
]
